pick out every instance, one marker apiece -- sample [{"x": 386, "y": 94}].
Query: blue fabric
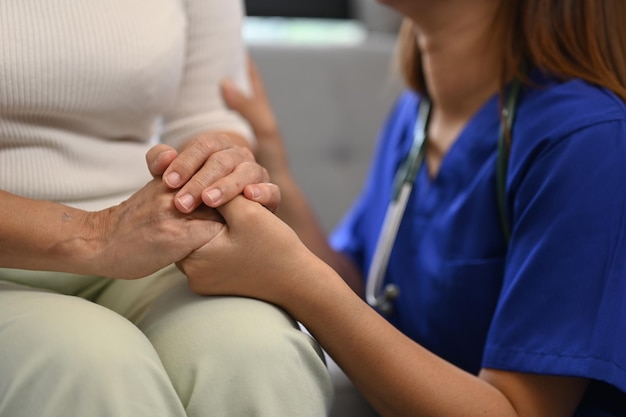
[{"x": 554, "y": 300}]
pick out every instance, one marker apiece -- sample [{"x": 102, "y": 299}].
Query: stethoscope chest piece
[{"x": 384, "y": 301}]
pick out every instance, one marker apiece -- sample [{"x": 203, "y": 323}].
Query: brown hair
[{"x": 583, "y": 39}]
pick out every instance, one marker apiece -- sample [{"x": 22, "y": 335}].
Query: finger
[
  {"x": 226, "y": 188},
  {"x": 235, "y": 99},
  {"x": 159, "y": 157},
  {"x": 258, "y": 88},
  {"x": 193, "y": 157},
  {"x": 266, "y": 194},
  {"x": 217, "y": 173},
  {"x": 238, "y": 211},
  {"x": 254, "y": 107},
  {"x": 256, "y": 110},
  {"x": 204, "y": 213}
]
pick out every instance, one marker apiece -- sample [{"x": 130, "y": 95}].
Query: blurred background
[
  {"x": 329, "y": 70},
  {"x": 334, "y": 9}
]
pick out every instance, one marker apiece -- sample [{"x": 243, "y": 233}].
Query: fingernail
[
  {"x": 256, "y": 193},
  {"x": 172, "y": 179},
  {"x": 214, "y": 195},
  {"x": 186, "y": 201}
]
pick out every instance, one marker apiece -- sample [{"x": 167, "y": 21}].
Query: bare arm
[
  {"x": 407, "y": 380},
  {"x": 43, "y": 235},
  {"x": 294, "y": 207},
  {"x": 398, "y": 376}
]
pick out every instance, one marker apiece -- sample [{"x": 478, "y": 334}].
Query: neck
[
  {"x": 461, "y": 63},
  {"x": 460, "y": 54}
]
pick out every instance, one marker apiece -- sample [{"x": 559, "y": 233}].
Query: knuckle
[
  {"x": 207, "y": 144},
  {"x": 184, "y": 164},
  {"x": 266, "y": 175},
  {"x": 255, "y": 171},
  {"x": 200, "y": 145},
  {"x": 197, "y": 184},
  {"x": 229, "y": 186},
  {"x": 222, "y": 162},
  {"x": 203, "y": 148},
  {"x": 223, "y": 139},
  {"x": 191, "y": 159},
  {"x": 212, "y": 142},
  {"x": 247, "y": 153}
]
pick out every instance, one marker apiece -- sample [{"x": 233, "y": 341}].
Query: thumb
[
  {"x": 159, "y": 157},
  {"x": 239, "y": 211}
]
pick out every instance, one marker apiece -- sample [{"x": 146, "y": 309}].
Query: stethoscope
[{"x": 382, "y": 298}]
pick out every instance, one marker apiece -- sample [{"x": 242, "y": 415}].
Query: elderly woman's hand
[
  {"x": 215, "y": 167},
  {"x": 211, "y": 168},
  {"x": 146, "y": 233}
]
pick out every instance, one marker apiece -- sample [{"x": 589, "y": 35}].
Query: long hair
[{"x": 583, "y": 39}]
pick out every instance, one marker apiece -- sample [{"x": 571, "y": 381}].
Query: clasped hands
[
  {"x": 235, "y": 245},
  {"x": 209, "y": 209},
  {"x": 174, "y": 214},
  {"x": 188, "y": 188}
]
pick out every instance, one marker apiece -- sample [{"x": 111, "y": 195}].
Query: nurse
[{"x": 483, "y": 325}]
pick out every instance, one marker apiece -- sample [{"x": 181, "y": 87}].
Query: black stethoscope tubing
[{"x": 381, "y": 298}]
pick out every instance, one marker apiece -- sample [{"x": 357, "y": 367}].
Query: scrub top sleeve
[{"x": 562, "y": 308}]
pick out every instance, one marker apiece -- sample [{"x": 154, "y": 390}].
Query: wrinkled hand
[
  {"x": 146, "y": 233},
  {"x": 254, "y": 254},
  {"x": 211, "y": 168}
]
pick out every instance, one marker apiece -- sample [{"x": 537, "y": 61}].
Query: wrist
[
  {"x": 314, "y": 280},
  {"x": 84, "y": 247}
]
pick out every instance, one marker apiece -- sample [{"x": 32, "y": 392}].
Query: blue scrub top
[{"x": 554, "y": 300}]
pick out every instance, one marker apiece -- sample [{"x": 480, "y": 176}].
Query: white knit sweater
[{"x": 86, "y": 85}]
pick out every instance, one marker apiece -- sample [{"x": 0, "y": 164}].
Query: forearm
[
  {"x": 298, "y": 214},
  {"x": 130, "y": 240},
  {"x": 401, "y": 378},
  {"x": 42, "y": 235}
]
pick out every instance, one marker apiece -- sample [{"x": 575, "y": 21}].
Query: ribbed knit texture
[{"x": 85, "y": 86}]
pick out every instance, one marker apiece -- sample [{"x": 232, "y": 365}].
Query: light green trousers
[{"x": 75, "y": 346}]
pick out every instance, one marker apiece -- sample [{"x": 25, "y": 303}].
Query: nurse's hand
[
  {"x": 254, "y": 254},
  {"x": 211, "y": 168}
]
